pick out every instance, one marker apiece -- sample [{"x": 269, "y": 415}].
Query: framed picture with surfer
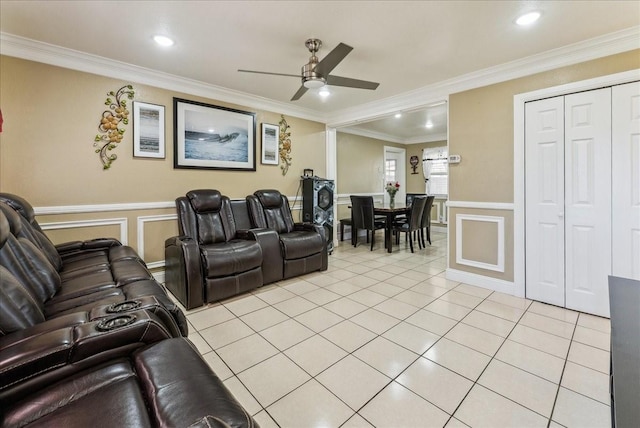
[{"x": 213, "y": 137}]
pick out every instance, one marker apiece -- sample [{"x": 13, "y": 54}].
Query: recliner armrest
[
  {"x": 183, "y": 271},
  {"x": 33, "y": 360},
  {"x": 310, "y": 227},
  {"x": 272, "y": 262}
]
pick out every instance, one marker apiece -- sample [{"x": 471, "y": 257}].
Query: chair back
[
  {"x": 362, "y": 212},
  {"x": 426, "y": 215},
  {"x": 417, "y": 209},
  {"x": 214, "y": 221},
  {"x": 270, "y": 209},
  {"x": 409, "y": 197}
]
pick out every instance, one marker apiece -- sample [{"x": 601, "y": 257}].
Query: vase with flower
[{"x": 392, "y": 188}]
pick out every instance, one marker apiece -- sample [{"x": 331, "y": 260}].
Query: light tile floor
[{"x": 385, "y": 340}]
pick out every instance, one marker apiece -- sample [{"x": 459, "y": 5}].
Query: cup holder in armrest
[
  {"x": 129, "y": 305},
  {"x": 115, "y": 322}
]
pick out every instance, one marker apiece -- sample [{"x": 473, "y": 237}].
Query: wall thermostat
[{"x": 454, "y": 158}]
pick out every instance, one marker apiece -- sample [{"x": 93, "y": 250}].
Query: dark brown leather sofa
[
  {"x": 225, "y": 248},
  {"x": 75, "y": 353},
  {"x": 86, "y": 277}
]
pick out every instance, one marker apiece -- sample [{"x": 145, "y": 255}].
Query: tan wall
[
  {"x": 360, "y": 166},
  {"x": 415, "y": 182},
  {"x": 481, "y": 131},
  {"x": 47, "y": 155}
]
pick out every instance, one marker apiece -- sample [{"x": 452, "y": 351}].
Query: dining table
[{"x": 390, "y": 214}]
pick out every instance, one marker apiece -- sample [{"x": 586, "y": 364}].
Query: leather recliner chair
[
  {"x": 303, "y": 246},
  {"x": 210, "y": 260}
]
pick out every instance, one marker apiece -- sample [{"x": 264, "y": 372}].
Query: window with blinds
[
  {"x": 439, "y": 185},
  {"x": 390, "y": 169}
]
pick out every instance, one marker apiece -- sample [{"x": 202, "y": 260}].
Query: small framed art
[
  {"x": 148, "y": 130},
  {"x": 270, "y": 137}
]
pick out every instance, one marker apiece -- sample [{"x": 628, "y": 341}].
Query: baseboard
[
  {"x": 494, "y": 284},
  {"x": 159, "y": 276}
]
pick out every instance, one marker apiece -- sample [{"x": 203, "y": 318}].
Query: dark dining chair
[
  {"x": 413, "y": 223},
  {"x": 426, "y": 221},
  {"x": 363, "y": 218},
  {"x": 408, "y": 200}
]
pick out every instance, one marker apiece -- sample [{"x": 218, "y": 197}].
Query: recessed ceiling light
[
  {"x": 211, "y": 130},
  {"x": 528, "y": 18},
  {"x": 163, "y": 40},
  {"x": 324, "y": 92},
  {"x": 398, "y": 115},
  {"x": 429, "y": 125}
]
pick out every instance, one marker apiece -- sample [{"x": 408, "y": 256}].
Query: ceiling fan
[{"x": 315, "y": 74}]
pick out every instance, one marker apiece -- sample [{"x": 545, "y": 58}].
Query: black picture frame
[{"x": 207, "y": 136}]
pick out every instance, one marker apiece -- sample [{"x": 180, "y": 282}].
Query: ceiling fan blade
[
  {"x": 332, "y": 59},
  {"x": 266, "y": 72},
  {"x": 298, "y": 94},
  {"x": 351, "y": 83}
]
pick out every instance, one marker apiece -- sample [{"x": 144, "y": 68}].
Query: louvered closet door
[
  {"x": 626, "y": 180},
  {"x": 588, "y": 200},
  {"x": 544, "y": 187}
]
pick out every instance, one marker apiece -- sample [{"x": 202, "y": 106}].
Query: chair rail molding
[
  {"x": 122, "y": 222},
  {"x": 507, "y": 206}
]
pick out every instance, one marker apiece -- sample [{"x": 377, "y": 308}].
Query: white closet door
[
  {"x": 588, "y": 200},
  {"x": 626, "y": 180},
  {"x": 544, "y": 187}
]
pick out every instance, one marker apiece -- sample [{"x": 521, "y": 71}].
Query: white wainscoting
[
  {"x": 122, "y": 222},
  {"x": 141, "y": 221},
  {"x": 500, "y": 256},
  {"x": 495, "y": 284}
]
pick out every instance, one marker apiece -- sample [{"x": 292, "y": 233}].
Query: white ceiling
[{"x": 403, "y": 45}]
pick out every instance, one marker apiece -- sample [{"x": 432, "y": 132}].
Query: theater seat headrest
[
  {"x": 5, "y": 230},
  {"x": 19, "y": 204},
  {"x": 205, "y": 200},
  {"x": 13, "y": 219},
  {"x": 269, "y": 198}
]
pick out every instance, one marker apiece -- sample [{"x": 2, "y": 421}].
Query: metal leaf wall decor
[
  {"x": 110, "y": 132},
  {"x": 284, "y": 146}
]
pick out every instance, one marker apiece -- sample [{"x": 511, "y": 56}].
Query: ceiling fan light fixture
[
  {"x": 398, "y": 115},
  {"x": 314, "y": 83},
  {"x": 324, "y": 92}
]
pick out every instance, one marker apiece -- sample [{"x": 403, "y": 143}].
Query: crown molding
[
  {"x": 33, "y": 50},
  {"x": 586, "y": 50},
  {"x": 609, "y": 44},
  {"x": 371, "y": 134},
  {"x": 393, "y": 139}
]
